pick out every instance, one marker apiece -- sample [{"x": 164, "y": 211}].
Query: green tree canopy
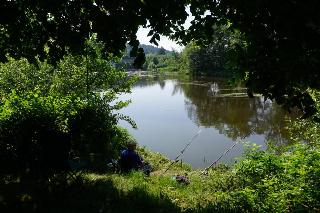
[
  {"x": 51, "y": 28},
  {"x": 140, "y": 59},
  {"x": 216, "y": 57},
  {"x": 281, "y": 55}
]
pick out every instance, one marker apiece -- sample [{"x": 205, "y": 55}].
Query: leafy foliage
[
  {"x": 215, "y": 56},
  {"x": 164, "y": 63},
  {"x": 280, "y": 58},
  {"x": 307, "y": 130},
  {"x": 37, "y": 133},
  {"x": 93, "y": 129},
  {"x": 140, "y": 59},
  {"x": 33, "y": 134},
  {"x": 83, "y": 74},
  {"x": 51, "y": 29},
  {"x": 281, "y": 183},
  {"x": 20, "y": 75},
  {"x": 149, "y": 49},
  {"x": 262, "y": 181},
  {"x": 55, "y": 111},
  {"x": 74, "y": 74}
]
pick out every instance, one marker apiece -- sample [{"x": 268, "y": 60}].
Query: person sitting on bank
[{"x": 129, "y": 159}]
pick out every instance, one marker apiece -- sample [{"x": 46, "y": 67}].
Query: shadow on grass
[
  {"x": 83, "y": 195},
  {"x": 89, "y": 196}
]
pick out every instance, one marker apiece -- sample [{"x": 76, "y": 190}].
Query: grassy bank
[
  {"x": 113, "y": 192},
  {"x": 260, "y": 182}
]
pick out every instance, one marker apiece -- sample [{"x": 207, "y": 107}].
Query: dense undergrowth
[{"x": 262, "y": 181}]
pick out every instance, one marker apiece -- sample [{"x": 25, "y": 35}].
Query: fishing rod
[
  {"x": 184, "y": 149},
  {"x": 205, "y": 171},
  {"x": 216, "y": 161}
]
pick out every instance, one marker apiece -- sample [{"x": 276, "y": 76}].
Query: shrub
[
  {"x": 21, "y": 76},
  {"x": 270, "y": 182},
  {"x": 33, "y": 140},
  {"x": 37, "y": 133},
  {"x": 94, "y": 134},
  {"x": 58, "y": 109}
]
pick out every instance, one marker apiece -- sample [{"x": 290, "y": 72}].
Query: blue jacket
[{"x": 130, "y": 160}]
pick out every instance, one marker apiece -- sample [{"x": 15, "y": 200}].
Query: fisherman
[{"x": 129, "y": 159}]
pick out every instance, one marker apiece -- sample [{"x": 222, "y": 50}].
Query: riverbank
[{"x": 261, "y": 182}]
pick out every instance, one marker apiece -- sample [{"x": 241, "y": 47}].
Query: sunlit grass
[
  {"x": 160, "y": 184},
  {"x": 260, "y": 182}
]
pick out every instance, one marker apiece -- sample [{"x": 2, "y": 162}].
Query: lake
[{"x": 170, "y": 112}]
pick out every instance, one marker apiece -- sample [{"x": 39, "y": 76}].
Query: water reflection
[
  {"x": 169, "y": 111},
  {"x": 235, "y": 117},
  {"x": 228, "y": 109},
  {"x": 147, "y": 81}
]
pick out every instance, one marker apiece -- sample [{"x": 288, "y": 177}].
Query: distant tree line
[{"x": 216, "y": 58}]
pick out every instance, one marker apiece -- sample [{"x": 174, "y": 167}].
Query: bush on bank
[
  {"x": 262, "y": 181},
  {"x": 38, "y": 133},
  {"x": 52, "y": 113}
]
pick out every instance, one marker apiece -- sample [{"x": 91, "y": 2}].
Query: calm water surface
[{"x": 169, "y": 112}]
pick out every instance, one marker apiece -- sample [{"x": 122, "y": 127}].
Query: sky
[{"x": 164, "y": 42}]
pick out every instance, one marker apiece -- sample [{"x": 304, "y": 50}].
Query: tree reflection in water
[
  {"x": 213, "y": 103},
  {"x": 169, "y": 110},
  {"x": 233, "y": 113}
]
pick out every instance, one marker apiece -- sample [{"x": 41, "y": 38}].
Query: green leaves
[
  {"x": 64, "y": 26},
  {"x": 79, "y": 75},
  {"x": 47, "y": 111},
  {"x": 21, "y": 76},
  {"x": 140, "y": 59},
  {"x": 280, "y": 182},
  {"x": 280, "y": 48}
]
